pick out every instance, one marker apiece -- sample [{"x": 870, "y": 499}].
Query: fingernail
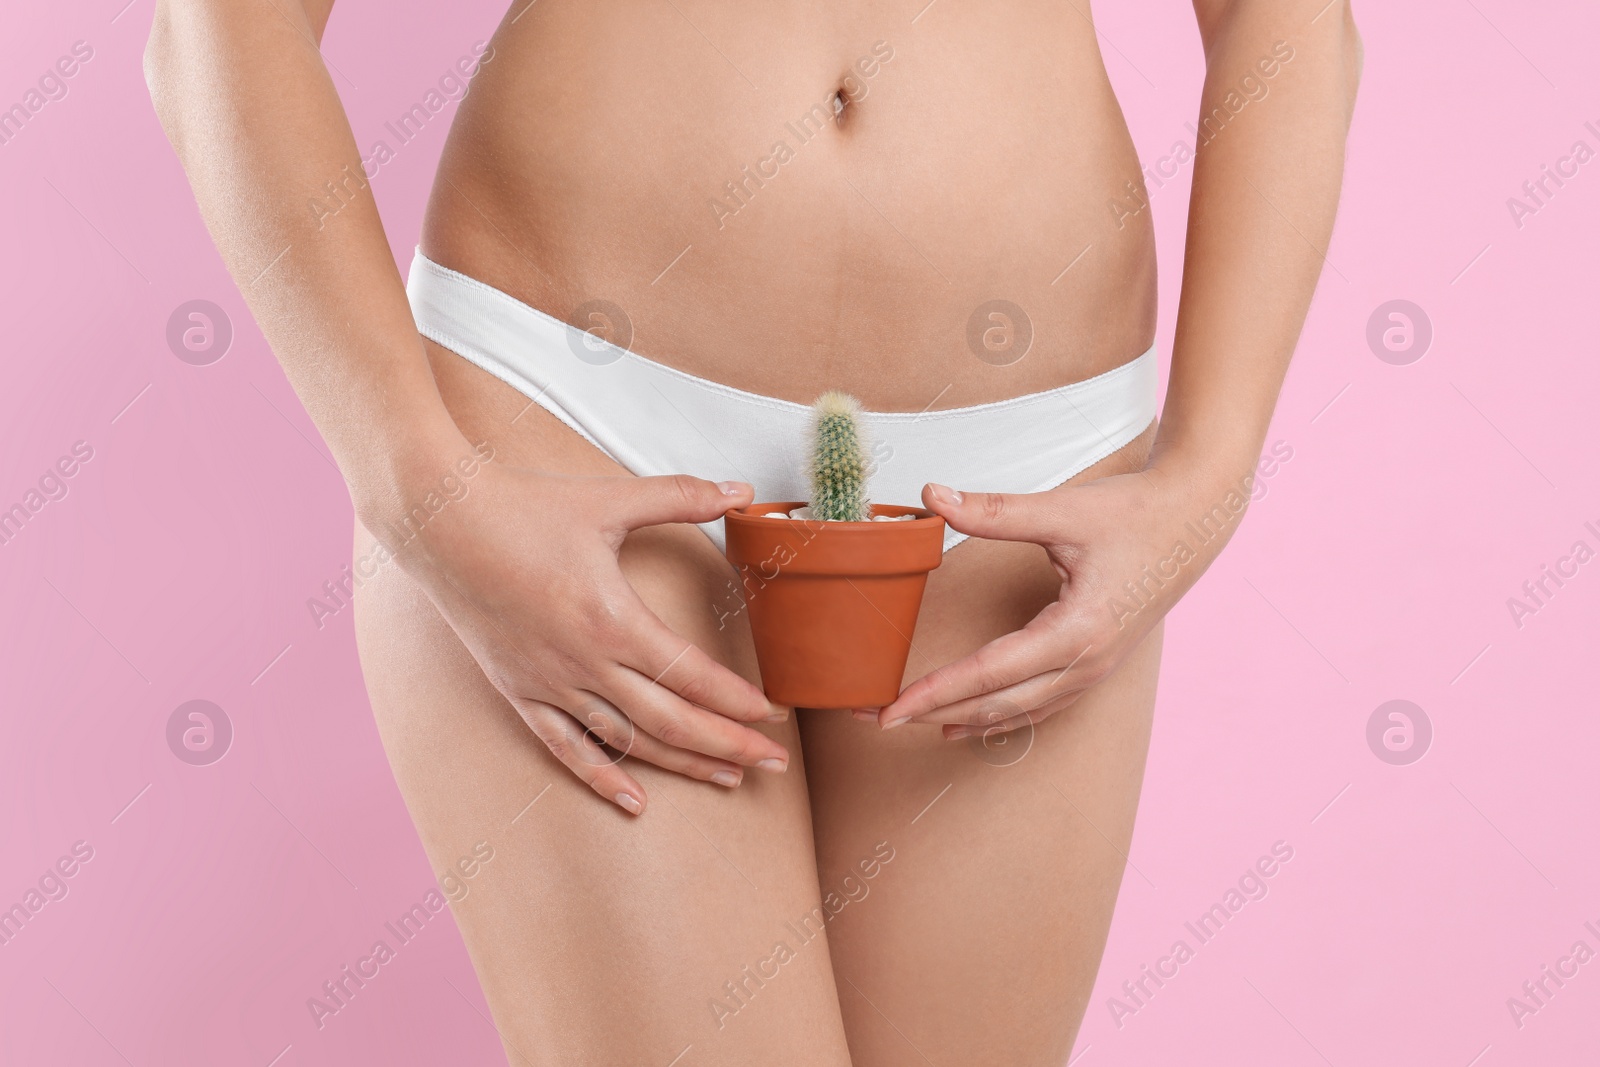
[
  {"x": 865, "y": 714},
  {"x": 733, "y": 488},
  {"x": 944, "y": 494},
  {"x": 776, "y": 766},
  {"x": 901, "y": 721},
  {"x": 627, "y": 801},
  {"x": 727, "y": 778},
  {"x": 781, "y": 715},
  {"x": 957, "y": 734}
]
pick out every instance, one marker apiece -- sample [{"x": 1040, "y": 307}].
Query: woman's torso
[{"x": 687, "y": 163}]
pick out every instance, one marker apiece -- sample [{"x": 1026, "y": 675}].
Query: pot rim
[{"x": 748, "y": 513}]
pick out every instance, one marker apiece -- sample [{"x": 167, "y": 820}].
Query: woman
[{"x": 761, "y": 202}]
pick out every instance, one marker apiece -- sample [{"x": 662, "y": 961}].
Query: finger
[
  {"x": 1004, "y": 661},
  {"x": 1009, "y": 701},
  {"x": 675, "y": 498},
  {"x": 606, "y": 722},
  {"x": 665, "y": 715},
  {"x": 667, "y": 659},
  {"x": 1035, "y": 517},
  {"x": 956, "y": 731},
  {"x": 570, "y": 743}
]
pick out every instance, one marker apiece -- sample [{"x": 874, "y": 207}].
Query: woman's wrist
[
  {"x": 1200, "y": 485},
  {"x": 408, "y": 470},
  {"x": 1207, "y": 489},
  {"x": 1207, "y": 467}
]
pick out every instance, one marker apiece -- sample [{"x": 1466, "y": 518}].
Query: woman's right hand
[{"x": 523, "y": 564}]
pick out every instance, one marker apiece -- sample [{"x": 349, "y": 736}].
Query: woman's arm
[
  {"x": 525, "y": 567},
  {"x": 244, "y": 97},
  {"x": 1266, "y": 186}
]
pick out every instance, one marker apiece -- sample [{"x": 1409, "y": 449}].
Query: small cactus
[{"x": 838, "y": 463}]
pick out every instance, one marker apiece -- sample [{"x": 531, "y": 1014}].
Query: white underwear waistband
[{"x": 653, "y": 419}]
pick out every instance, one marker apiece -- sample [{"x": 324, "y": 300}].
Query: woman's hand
[
  {"x": 524, "y": 567},
  {"x": 1127, "y": 548}
]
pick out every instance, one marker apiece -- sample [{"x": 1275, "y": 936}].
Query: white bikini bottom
[{"x": 653, "y": 419}]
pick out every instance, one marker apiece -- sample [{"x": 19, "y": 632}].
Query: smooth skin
[{"x": 969, "y": 880}]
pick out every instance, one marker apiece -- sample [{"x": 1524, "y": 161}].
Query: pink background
[{"x": 1418, "y": 499}]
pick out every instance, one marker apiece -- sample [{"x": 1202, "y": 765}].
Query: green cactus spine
[{"x": 838, "y": 464}]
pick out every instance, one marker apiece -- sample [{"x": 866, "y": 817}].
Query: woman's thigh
[
  {"x": 601, "y": 938},
  {"x": 978, "y": 942}
]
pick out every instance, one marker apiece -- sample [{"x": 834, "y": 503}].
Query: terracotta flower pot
[{"x": 833, "y": 604}]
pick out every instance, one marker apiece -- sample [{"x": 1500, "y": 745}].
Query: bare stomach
[{"x": 790, "y": 197}]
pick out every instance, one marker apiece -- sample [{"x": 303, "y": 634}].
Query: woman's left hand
[{"x": 1127, "y": 548}]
